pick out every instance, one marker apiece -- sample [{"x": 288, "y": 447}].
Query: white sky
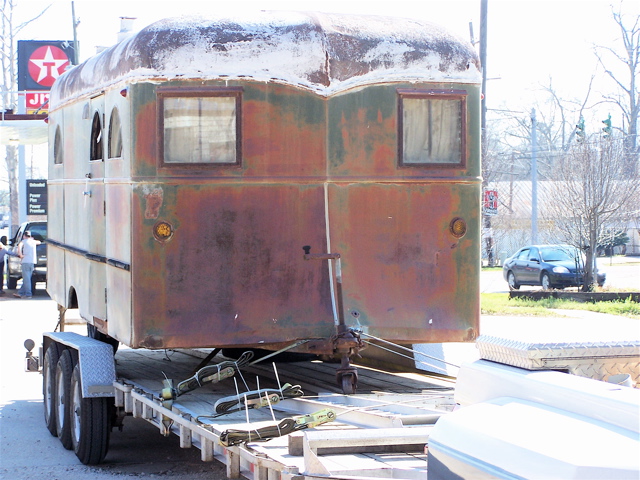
[{"x": 530, "y": 41}]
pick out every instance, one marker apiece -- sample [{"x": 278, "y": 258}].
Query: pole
[
  {"x": 76, "y": 53},
  {"x": 22, "y": 173},
  {"x": 534, "y": 178},
  {"x": 483, "y": 62},
  {"x": 483, "y": 118}
]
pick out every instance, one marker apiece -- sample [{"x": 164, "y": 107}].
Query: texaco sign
[{"x": 40, "y": 63}]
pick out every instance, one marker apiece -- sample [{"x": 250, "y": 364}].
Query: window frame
[
  {"x": 433, "y": 94},
  {"x": 110, "y": 135},
  {"x": 94, "y": 142},
  {"x": 171, "y": 92},
  {"x": 58, "y": 151}
]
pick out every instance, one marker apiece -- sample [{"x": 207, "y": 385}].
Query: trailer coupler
[{"x": 347, "y": 343}]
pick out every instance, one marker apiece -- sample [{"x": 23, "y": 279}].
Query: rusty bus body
[{"x": 190, "y": 163}]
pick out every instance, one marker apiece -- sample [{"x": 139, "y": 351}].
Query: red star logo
[{"x": 46, "y": 64}]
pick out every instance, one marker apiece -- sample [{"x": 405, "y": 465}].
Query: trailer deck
[{"x": 391, "y": 412}]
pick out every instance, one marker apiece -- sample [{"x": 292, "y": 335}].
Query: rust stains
[{"x": 153, "y": 202}]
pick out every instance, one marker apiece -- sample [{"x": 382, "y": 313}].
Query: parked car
[
  {"x": 549, "y": 266},
  {"x": 14, "y": 268}
]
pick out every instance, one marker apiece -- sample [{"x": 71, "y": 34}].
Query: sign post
[{"x": 490, "y": 203}]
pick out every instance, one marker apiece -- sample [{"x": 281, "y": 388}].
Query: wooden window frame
[
  {"x": 457, "y": 95},
  {"x": 172, "y": 92}
]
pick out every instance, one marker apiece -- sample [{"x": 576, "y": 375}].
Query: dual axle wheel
[{"x": 81, "y": 424}]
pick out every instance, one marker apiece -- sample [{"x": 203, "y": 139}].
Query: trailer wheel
[
  {"x": 90, "y": 426},
  {"x": 349, "y": 383},
  {"x": 51, "y": 358},
  {"x": 62, "y": 398},
  {"x": 93, "y": 332}
]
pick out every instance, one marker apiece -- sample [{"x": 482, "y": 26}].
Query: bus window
[
  {"x": 432, "y": 128},
  {"x": 200, "y": 127},
  {"x": 96, "y": 138},
  {"x": 57, "y": 147},
  {"x": 115, "y": 135}
]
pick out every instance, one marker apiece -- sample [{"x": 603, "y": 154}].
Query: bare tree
[
  {"x": 567, "y": 115},
  {"x": 590, "y": 192},
  {"x": 9, "y": 92},
  {"x": 628, "y": 100}
]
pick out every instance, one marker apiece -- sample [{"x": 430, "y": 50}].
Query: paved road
[{"x": 29, "y": 452}]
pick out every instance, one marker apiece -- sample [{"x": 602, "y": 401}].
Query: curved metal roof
[{"x": 326, "y": 53}]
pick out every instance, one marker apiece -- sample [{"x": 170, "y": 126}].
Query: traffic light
[
  {"x": 607, "y": 127},
  {"x": 580, "y": 130}
]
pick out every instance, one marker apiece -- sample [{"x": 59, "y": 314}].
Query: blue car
[{"x": 548, "y": 266}]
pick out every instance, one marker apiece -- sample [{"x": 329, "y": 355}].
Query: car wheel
[
  {"x": 511, "y": 280},
  {"x": 12, "y": 283},
  {"x": 545, "y": 281}
]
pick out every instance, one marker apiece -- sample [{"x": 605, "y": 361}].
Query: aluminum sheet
[{"x": 580, "y": 347}]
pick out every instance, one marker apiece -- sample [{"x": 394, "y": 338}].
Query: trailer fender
[{"x": 95, "y": 358}]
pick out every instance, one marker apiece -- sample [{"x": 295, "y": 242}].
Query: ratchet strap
[
  {"x": 208, "y": 374},
  {"x": 286, "y": 426},
  {"x": 256, "y": 399}
]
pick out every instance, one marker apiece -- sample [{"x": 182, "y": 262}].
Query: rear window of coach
[
  {"x": 432, "y": 128},
  {"x": 199, "y": 126}
]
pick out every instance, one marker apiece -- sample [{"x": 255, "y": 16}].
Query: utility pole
[
  {"x": 76, "y": 53},
  {"x": 483, "y": 62},
  {"x": 483, "y": 121},
  {"x": 534, "y": 178}
]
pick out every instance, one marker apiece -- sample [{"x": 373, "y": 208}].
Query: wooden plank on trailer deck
[
  {"x": 358, "y": 441},
  {"x": 415, "y": 461},
  {"x": 354, "y": 463}
]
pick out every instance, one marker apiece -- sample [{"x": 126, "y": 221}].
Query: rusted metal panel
[
  {"x": 232, "y": 272},
  {"x": 405, "y": 276}
]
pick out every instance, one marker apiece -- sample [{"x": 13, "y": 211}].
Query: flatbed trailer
[
  {"x": 524, "y": 410},
  {"x": 381, "y": 432}
]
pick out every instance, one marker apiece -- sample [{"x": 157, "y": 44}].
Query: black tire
[
  {"x": 62, "y": 398},
  {"x": 545, "y": 281},
  {"x": 511, "y": 280},
  {"x": 33, "y": 286},
  {"x": 49, "y": 365},
  {"x": 12, "y": 283},
  {"x": 349, "y": 383},
  {"x": 93, "y": 332},
  {"x": 90, "y": 424}
]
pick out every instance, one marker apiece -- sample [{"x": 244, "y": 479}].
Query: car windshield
[
  {"x": 557, "y": 254},
  {"x": 39, "y": 231}
]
